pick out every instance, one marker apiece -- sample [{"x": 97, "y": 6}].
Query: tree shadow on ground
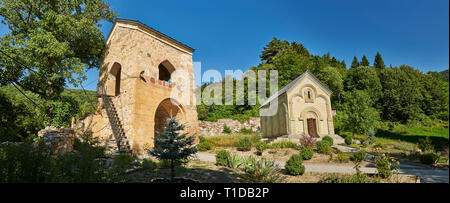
[
  {"x": 203, "y": 175},
  {"x": 436, "y": 141}
]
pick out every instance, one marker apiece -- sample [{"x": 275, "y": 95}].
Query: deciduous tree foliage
[
  {"x": 56, "y": 41},
  {"x": 364, "y": 78},
  {"x": 359, "y": 115}
]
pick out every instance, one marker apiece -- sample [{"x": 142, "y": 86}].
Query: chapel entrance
[
  {"x": 312, "y": 128},
  {"x": 166, "y": 110}
]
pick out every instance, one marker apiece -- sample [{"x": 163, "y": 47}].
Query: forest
[{"x": 366, "y": 95}]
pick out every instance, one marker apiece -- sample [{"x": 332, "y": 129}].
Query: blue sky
[{"x": 230, "y": 34}]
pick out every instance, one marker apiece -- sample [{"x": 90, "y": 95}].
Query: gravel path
[{"x": 426, "y": 174}]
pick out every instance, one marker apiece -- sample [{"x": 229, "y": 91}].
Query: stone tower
[{"x": 137, "y": 90}]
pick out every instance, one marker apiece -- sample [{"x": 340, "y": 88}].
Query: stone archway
[
  {"x": 311, "y": 118},
  {"x": 168, "y": 108}
]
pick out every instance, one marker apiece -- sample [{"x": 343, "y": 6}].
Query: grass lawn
[{"x": 439, "y": 135}]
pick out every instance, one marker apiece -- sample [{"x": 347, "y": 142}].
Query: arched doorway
[
  {"x": 165, "y": 71},
  {"x": 311, "y": 120},
  {"x": 116, "y": 71},
  {"x": 168, "y": 108}
]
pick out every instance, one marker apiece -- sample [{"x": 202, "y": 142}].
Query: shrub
[
  {"x": 294, "y": 166},
  {"x": 329, "y": 140},
  {"x": 244, "y": 144},
  {"x": 149, "y": 164},
  {"x": 383, "y": 167},
  {"x": 41, "y": 163},
  {"x": 234, "y": 161},
  {"x": 260, "y": 171},
  {"x": 283, "y": 145},
  {"x": 307, "y": 153},
  {"x": 204, "y": 146},
  {"x": 246, "y": 131},
  {"x": 123, "y": 161},
  {"x": 425, "y": 144},
  {"x": 260, "y": 147},
  {"x": 358, "y": 156},
  {"x": 348, "y": 140},
  {"x": 307, "y": 141},
  {"x": 226, "y": 129},
  {"x": 429, "y": 158},
  {"x": 342, "y": 157},
  {"x": 357, "y": 178},
  {"x": 222, "y": 158},
  {"x": 323, "y": 147},
  {"x": 371, "y": 137}
]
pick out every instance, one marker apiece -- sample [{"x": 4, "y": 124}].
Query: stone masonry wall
[
  {"x": 207, "y": 128},
  {"x": 62, "y": 138}
]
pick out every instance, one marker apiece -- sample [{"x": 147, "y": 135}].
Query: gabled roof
[
  {"x": 154, "y": 31},
  {"x": 291, "y": 84}
]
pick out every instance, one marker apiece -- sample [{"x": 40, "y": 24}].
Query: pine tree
[
  {"x": 355, "y": 63},
  {"x": 365, "y": 61},
  {"x": 172, "y": 146},
  {"x": 378, "y": 63}
]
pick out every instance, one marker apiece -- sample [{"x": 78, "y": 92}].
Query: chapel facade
[{"x": 303, "y": 108}]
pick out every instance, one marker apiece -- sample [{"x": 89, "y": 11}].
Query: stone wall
[
  {"x": 207, "y": 128},
  {"x": 62, "y": 138}
]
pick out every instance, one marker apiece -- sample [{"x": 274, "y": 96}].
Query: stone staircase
[{"x": 118, "y": 143}]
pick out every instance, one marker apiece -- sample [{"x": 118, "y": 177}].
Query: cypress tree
[
  {"x": 364, "y": 61},
  {"x": 378, "y": 63},
  {"x": 355, "y": 62}
]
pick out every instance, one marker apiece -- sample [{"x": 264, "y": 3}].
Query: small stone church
[
  {"x": 135, "y": 95},
  {"x": 304, "y": 108}
]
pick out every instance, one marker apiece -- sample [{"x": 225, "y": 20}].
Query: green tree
[
  {"x": 355, "y": 62},
  {"x": 359, "y": 115},
  {"x": 333, "y": 79},
  {"x": 173, "y": 146},
  {"x": 364, "y": 78},
  {"x": 54, "y": 40},
  {"x": 365, "y": 61},
  {"x": 272, "y": 49},
  {"x": 289, "y": 65},
  {"x": 402, "y": 95},
  {"x": 378, "y": 63}
]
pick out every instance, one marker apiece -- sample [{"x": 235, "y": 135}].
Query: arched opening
[
  {"x": 167, "y": 109},
  {"x": 116, "y": 71},
  {"x": 311, "y": 118},
  {"x": 165, "y": 71}
]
